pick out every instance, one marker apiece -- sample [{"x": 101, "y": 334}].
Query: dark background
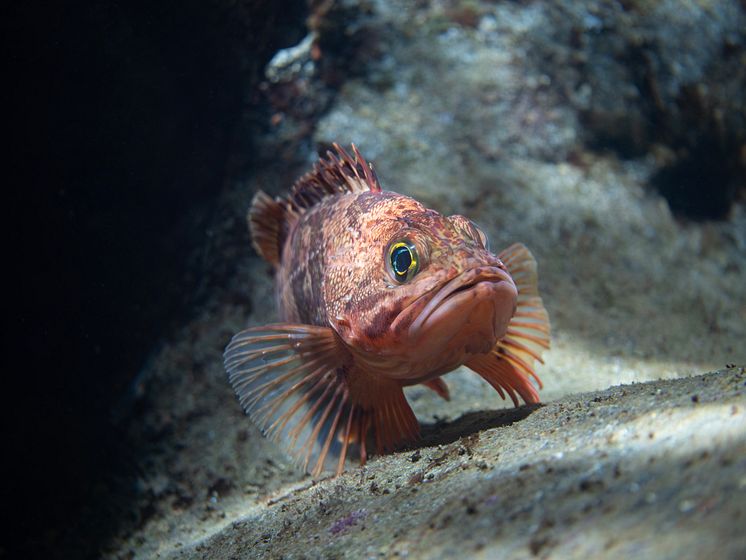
[{"x": 126, "y": 119}]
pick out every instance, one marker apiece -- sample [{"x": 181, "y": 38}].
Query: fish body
[{"x": 375, "y": 292}]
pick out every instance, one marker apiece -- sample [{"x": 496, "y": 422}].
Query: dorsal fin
[
  {"x": 268, "y": 226},
  {"x": 339, "y": 173}
]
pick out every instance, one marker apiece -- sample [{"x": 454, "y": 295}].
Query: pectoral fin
[{"x": 287, "y": 380}]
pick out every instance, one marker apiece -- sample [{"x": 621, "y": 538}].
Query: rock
[
  {"x": 654, "y": 470},
  {"x": 121, "y": 122}
]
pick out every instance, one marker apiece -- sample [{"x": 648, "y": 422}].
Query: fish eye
[{"x": 403, "y": 262}]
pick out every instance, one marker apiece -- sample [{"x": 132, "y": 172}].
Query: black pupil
[{"x": 401, "y": 259}]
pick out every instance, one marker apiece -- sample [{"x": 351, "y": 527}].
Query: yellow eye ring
[{"x": 403, "y": 261}]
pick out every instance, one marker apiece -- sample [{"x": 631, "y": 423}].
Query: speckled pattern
[
  {"x": 585, "y": 476},
  {"x": 492, "y": 120}
]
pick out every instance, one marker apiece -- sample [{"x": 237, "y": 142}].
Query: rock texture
[{"x": 653, "y": 470}]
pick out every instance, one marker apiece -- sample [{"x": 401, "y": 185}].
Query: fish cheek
[{"x": 381, "y": 320}]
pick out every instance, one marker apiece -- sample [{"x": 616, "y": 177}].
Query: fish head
[{"x": 423, "y": 292}]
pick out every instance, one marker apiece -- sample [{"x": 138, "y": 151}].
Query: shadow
[{"x": 442, "y": 433}]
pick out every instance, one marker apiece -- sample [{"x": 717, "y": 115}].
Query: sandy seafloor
[{"x": 479, "y": 120}]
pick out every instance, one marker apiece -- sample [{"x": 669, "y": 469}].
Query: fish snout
[
  {"x": 472, "y": 293},
  {"x": 467, "y": 316},
  {"x": 440, "y": 331}
]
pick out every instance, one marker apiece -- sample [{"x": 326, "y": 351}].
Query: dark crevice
[
  {"x": 123, "y": 125},
  {"x": 703, "y": 181},
  {"x": 708, "y": 171},
  {"x": 650, "y": 106}
]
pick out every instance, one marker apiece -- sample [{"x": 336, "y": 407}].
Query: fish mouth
[
  {"x": 451, "y": 320},
  {"x": 455, "y": 318}
]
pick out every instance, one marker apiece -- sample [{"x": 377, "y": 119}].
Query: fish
[{"x": 375, "y": 293}]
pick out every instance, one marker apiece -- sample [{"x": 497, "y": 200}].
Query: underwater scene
[{"x": 382, "y": 278}]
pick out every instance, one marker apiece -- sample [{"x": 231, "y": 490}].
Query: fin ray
[
  {"x": 395, "y": 423},
  {"x": 318, "y": 425},
  {"x": 286, "y": 379},
  {"x": 346, "y": 438},
  {"x": 271, "y": 219},
  {"x": 529, "y": 331},
  {"x": 328, "y": 440},
  {"x": 501, "y": 374}
]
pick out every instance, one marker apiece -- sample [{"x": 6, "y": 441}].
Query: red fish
[{"x": 375, "y": 293}]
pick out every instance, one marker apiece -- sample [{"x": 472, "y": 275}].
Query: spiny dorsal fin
[{"x": 340, "y": 173}]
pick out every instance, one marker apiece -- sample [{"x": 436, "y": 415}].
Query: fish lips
[{"x": 468, "y": 315}]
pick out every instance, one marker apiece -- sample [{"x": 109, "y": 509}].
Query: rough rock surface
[
  {"x": 646, "y": 470},
  {"x": 549, "y": 123}
]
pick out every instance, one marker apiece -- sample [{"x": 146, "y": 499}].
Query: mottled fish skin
[
  {"x": 333, "y": 270},
  {"x": 364, "y": 333},
  {"x": 327, "y": 268}
]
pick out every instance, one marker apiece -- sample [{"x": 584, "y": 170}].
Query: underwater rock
[
  {"x": 582, "y": 476},
  {"x": 548, "y": 81},
  {"x": 121, "y": 122}
]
